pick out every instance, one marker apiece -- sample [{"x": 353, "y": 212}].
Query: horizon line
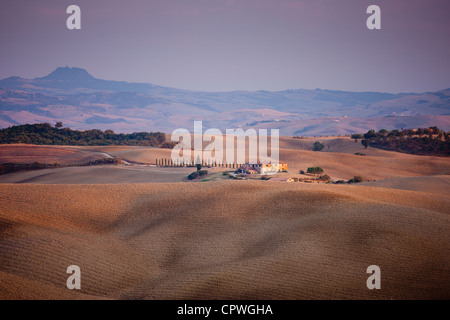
[{"x": 231, "y": 91}]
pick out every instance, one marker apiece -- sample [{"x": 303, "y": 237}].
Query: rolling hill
[
  {"x": 140, "y": 232},
  {"x": 166, "y": 241},
  {"x": 81, "y": 101}
]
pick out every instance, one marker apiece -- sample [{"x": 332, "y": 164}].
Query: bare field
[
  {"x": 138, "y": 235},
  {"x": 432, "y": 184},
  {"x": 27, "y": 153},
  {"x": 226, "y": 240},
  {"x": 338, "y": 160},
  {"x": 109, "y": 174}
]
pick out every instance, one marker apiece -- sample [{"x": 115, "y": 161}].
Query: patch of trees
[
  {"x": 168, "y": 144},
  {"x": 324, "y": 178},
  {"x": 314, "y": 170},
  {"x": 356, "y": 136},
  {"x": 318, "y": 146},
  {"x": 356, "y": 179},
  {"x": 422, "y": 141},
  {"x": 45, "y": 134}
]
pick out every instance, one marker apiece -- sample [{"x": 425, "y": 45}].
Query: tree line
[
  {"x": 189, "y": 163},
  {"x": 423, "y": 141},
  {"x": 46, "y": 134}
]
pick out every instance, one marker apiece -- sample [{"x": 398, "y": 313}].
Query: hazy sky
[{"x": 225, "y": 45}]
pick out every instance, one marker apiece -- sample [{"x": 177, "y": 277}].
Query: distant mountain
[
  {"x": 68, "y": 74},
  {"x": 81, "y": 101}
]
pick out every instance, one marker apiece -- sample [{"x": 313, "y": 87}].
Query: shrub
[
  {"x": 266, "y": 177},
  {"x": 315, "y": 170},
  {"x": 197, "y": 174},
  {"x": 355, "y": 179},
  {"x": 325, "y": 178},
  {"x": 318, "y": 146},
  {"x": 365, "y": 143},
  {"x": 302, "y": 172},
  {"x": 193, "y": 175},
  {"x": 168, "y": 145},
  {"x": 370, "y": 134},
  {"x": 356, "y": 136},
  {"x": 103, "y": 161}
]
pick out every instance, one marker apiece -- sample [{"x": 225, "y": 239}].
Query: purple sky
[{"x": 226, "y": 45}]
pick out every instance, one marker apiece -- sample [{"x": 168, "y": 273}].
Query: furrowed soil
[
  {"x": 146, "y": 232},
  {"x": 223, "y": 240}
]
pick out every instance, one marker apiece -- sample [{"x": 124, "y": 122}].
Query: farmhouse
[{"x": 262, "y": 168}]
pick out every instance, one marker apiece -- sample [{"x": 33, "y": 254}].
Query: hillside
[
  {"x": 340, "y": 159},
  {"x": 81, "y": 101},
  {"x": 166, "y": 241},
  {"x": 144, "y": 232},
  {"x": 21, "y": 153}
]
